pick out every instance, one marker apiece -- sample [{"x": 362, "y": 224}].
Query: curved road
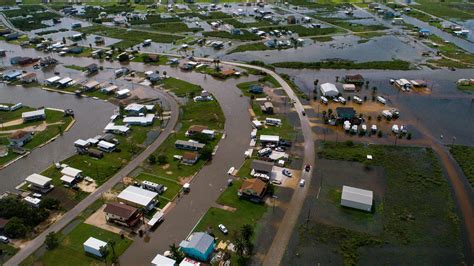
[{"x": 34, "y": 244}]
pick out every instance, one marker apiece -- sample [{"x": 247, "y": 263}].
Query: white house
[
  {"x": 33, "y": 115},
  {"x": 269, "y": 139},
  {"x": 139, "y": 120},
  {"x": 329, "y": 89},
  {"x": 106, "y": 146},
  {"x": 39, "y": 182},
  {"x": 93, "y": 245},
  {"x": 73, "y": 172},
  {"x": 357, "y": 198}
]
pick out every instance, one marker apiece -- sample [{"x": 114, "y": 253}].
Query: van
[
  {"x": 395, "y": 129},
  {"x": 146, "y": 42},
  {"x": 324, "y": 100},
  {"x": 4, "y": 240},
  {"x": 341, "y": 99},
  {"x": 387, "y": 114},
  {"x": 302, "y": 182},
  {"x": 264, "y": 152},
  {"x": 381, "y": 100}
]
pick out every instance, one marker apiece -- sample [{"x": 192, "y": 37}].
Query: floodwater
[
  {"x": 384, "y": 48},
  {"x": 91, "y": 118},
  {"x": 446, "y": 111}
]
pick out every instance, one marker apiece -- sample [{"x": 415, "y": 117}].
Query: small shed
[
  {"x": 161, "y": 260},
  {"x": 93, "y": 245},
  {"x": 357, "y": 198}
]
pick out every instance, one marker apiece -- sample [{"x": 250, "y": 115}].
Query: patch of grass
[
  {"x": 6, "y": 116},
  {"x": 447, "y": 9},
  {"x": 250, "y": 47},
  {"x": 173, "y": 187},
  {"x": 180, "y": 87},
  {"x": 75, "y": 67},
  {"x": 246, "y": 213},
  {"x": 464, "y": 156},
  {"x": 129, "y": 37},
  {"x": 173, "y": 27},
  {"x": 466, "y": 88},
  {"x": 33, "y": 22},
  {"x": 71, "y": 247},
  {"x": 162, "y": 60},
  {"x": 344, "y": 64},
  {"x": 7, "y": 252}
]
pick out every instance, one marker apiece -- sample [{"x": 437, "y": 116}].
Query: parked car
[
  {"x": 287, "y": 173},
  {"x": 374, "y": 128},
  {"x": 403, "y": 129},
  {"x": 4, "y": 239},
  {"x": 307, "y": 168},
  {"x": 223, "y": 229},
  {"x": 280, "y": 149},
  {"x": 303, "y": 113},
  {"x": 381, "y": 100},
  {"x": 324, "y": 100},
  {"x": 284, "y": 143},
  {"x": 302, "y": 182},
  {"x": 342, "y": 99},
  {"x": 357, "y": 99}
]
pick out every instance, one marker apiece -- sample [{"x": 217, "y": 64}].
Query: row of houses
[{"x": 14, "y": 75}]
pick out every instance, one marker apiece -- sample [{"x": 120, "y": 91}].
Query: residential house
[
  {"x": 33, "y": 115},
  {"x": 190, "y": 158},
  {"x": 138, "y": 197},
  {"x": 135, "y": 109},
  {"x": 262, "y": 167},
  {"x": 121, "y": 94},
  {"x": 188, "y": 145},
  {"x": 253, "y": 189},
  {"x": 92, "y": 68},
  {"x": 199, "y": 246},
  {"x": 29, "y": 78},
  {"x": 93, "y": 246},
  {"x": 12, "y": 75},
  {"x": 356, "y": 79},
  {"x": 140, "y": 120},
  {"x": 267, "y": 108},
  {"x": 37, "y": 182},
  {"x": 116, "y": 129},
  {"x": 19, "y": 138},
  {"x": 122, "y": 214},
  {"x": 91, "y": 85}
]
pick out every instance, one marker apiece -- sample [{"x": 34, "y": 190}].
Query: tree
[
  {"x": 206, "y": 152},
  {"x": 104, "y": 252},
  {"x": 111, "y": 243},
  {"x": 152, "y": 159},
  {"x": 176, "y": 254},
  {"x": 15, "y": 228},
  {"x": 52, "y": 240}
]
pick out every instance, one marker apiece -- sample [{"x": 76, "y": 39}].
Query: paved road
[{"x": 72, "y": 214}]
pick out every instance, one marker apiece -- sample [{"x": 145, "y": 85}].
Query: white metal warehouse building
[{"x": 357, "y": 198}]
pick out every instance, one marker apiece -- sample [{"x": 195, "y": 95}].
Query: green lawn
[
  {"x": 173, "y": 187},
  {"x": 343, "y": 23},
  {"x": 246, "y": 213},
  {"x": 464, "y": 155},
  {"x": 7, "y": 251},
  {"x": 467, "y": 88},
  {"x": 447, "y": 9},
  {"x": 180, "y": 87},
  {"x": 173, "y": 27},
  {"x": 162, "y": 60},
  {"x": 6, "y": 116}
]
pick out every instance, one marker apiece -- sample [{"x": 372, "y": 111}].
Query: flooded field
[{"x": 347, "y": 47}]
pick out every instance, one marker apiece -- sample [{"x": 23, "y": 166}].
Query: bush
[
  {"x": 162, "y": 159},
  {"x": 379, "y": 134},
  {"x": 50, "y": 204},
  {"x": 52, "y": 241}
]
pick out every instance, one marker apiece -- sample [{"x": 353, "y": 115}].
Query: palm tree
[{"x": 176, "y": 254}]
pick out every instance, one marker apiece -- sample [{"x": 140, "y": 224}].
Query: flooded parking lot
[{"x": 446, "y": 111}]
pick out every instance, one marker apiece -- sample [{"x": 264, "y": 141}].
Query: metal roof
[
  {"x": 199, "y": 241},
  {"x": 137, "y": 195},
  {"x": 39, "y": 112},
  {"x": 38, "y": 179},
  {"x": 357, "y": 195},
  {"x": 94, "y": 243}
]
